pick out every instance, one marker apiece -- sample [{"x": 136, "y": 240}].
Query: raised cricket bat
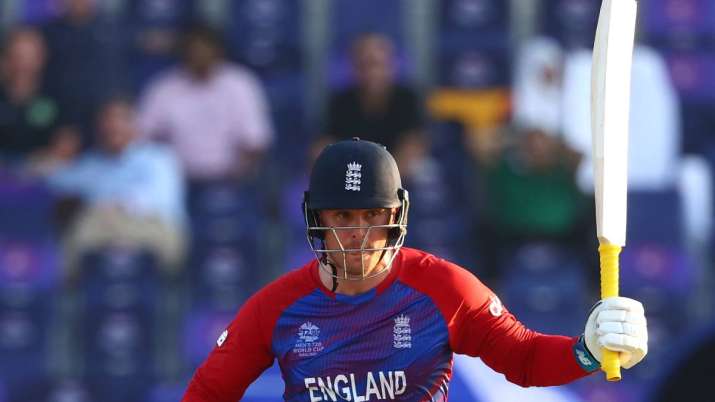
[{"x": 610, "y": 99}]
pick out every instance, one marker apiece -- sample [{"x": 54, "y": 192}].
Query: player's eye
[{"x": 375, "y": 213}]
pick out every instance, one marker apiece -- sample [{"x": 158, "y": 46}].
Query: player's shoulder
[
  {"x": 446, "y": 283},
  {"x": 423, "y": 268}
]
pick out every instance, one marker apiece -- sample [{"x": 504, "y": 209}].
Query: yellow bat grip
[{"x": 609, "y": 288}]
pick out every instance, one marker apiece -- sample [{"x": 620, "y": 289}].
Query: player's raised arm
[{"x": 481, "y": 326}]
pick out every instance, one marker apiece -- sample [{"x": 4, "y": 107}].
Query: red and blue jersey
[{"x": 394, "y": 342}]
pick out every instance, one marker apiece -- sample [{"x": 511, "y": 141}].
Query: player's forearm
[
  {"x": 551, "y": 361},
  {"x": 528, "y": 358}
]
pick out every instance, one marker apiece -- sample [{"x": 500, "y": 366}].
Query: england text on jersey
[{"x": 379, "y": 386}]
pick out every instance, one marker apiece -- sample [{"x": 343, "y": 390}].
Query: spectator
[
  {"x": 531, "y": 195},
  {"x": 654, "y": 134},
  {"x": 29, "y": 117},
  {"x": 133, "y": 193},
  {"x": 86, "y": 61},
  {"x": 529, "y": 177},
  {"x": 537, "y": 88},
  {"x": 212, "y": 112},
  {"x": 376, "y": 107}
]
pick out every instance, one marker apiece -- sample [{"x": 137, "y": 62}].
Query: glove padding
[{"x": 618, "y": 324}]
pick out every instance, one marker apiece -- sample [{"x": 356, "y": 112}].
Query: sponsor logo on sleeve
[
  {"x": 495, "y": 307},
  {"x": 221, "y": 339}
]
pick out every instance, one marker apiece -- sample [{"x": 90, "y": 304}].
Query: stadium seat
[
  {"x": 167, "y": 391},
  {"x": 116, "y": 279},
  {"x": 471, "y": 66},
  {"x": 698, "y": 119},
  {"x": 473, "y": 43},
  {"x": 545, "y": 287},
  {"x": 266, "y": 35},
  {"x": 24, "y": 342},
  {"x": 287, "y": 97},
  {"x": 678, "y": 23},
  {"x": 224, "y": 213},
  {"x": 656, "y": 275},
  {"x": 475, "y": 17},
  {"x": 686, "y": 371},
  {"x": 157, "y": 14},
  {"x": 655, "y": 217},
  {"x": 121, "y": 297},
  {"x": 340, "y": 72},
  {"x": 152, "y": 18},
  {"x": 36, "y": 11},
  {"x": 350, "y": 18},
  {"x": 202, "y": 327},
  {"x": 28, "y": 271},
  {"x": 119, "y": 355},
  {"x": 691, "y": 72},
  {"x": 25, "y": 210},
  {"x": 55, "y": 390},
  {"x": 28, "y": 281},
  {"x": 223, "y": 198},
  {"x": 296, "y": 249},
  {"x": 223, "y": 277},
  {"x": 571, "y": 22}
]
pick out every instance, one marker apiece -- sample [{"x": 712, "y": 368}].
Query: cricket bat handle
[{"x": 608, "y": 253}]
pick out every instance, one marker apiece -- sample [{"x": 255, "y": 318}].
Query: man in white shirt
[
  {"x": 213, "y": 113},
  {"x": 654, "y": 124}
]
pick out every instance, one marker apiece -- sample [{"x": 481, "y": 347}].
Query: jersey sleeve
[
  {"x": 241, "y": 354},
  {"x": 479, "y": 325}
]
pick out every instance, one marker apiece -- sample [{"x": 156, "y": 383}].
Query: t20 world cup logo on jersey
[
  {"x": 307, "y": 344},
  {"x": 402, "y": 332}
]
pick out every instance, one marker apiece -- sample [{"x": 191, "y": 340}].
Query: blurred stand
[{"x": 85, "y": 48}]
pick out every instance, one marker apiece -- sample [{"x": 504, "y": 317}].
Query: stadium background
[{"x": 127, "y": 334}]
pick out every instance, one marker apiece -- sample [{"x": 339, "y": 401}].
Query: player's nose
[{"x": 358, "y": 229}]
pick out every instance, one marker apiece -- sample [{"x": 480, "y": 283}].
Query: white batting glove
[{"x": 618, "y": 324}]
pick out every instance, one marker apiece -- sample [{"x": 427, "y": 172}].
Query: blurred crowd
[{"x": 153, "y": 156}]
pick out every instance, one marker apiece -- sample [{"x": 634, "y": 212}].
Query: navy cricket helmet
[{"x": 355, "y": 174}]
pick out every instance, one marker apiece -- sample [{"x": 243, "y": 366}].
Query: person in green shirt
[{"x": 530, "y": 194}]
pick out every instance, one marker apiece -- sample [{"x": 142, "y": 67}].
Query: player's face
[{"x": 358, "y": 236}]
